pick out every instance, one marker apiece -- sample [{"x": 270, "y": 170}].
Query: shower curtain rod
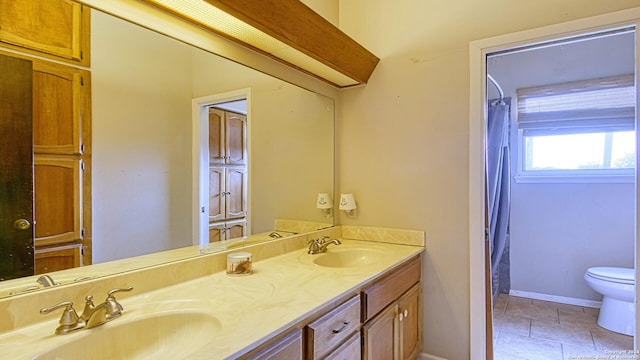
[{"x": 495, "y": 83}]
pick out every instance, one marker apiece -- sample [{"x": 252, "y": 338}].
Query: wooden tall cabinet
[
  {"x": 62, "y": 153},
  {"x": 61, "y": 113},
  {"x": 227, "y": 174}
]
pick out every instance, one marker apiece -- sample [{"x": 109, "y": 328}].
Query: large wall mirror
[{"x": 143, "y": 84}]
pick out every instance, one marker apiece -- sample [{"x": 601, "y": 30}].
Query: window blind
[{"x": 603, "y": 102}]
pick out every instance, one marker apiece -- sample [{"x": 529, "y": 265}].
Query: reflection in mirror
[{"x": 143, "y": 154}]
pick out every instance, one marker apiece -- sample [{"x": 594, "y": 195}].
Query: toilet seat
[{"x": 614, "y": 274}]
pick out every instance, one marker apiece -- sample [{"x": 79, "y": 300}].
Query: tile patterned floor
[{"x": 533, "y": 329}]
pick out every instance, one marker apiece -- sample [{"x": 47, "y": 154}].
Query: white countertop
[{"x": 247, "y": 310}]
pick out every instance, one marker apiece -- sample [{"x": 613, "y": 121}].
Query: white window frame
[{"x": 620, "y": 118}]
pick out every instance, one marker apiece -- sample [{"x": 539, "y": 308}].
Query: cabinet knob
[
  {"x": 22, "y": 224},
  {"x": 403, "y": 315}
]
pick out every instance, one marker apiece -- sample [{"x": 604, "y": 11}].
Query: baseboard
[
  {"x": 555, "y": 298},
  {"x": 425, "y": 356}
]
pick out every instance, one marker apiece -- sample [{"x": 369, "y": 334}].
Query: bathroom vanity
[{"x": 360, "y": 297}]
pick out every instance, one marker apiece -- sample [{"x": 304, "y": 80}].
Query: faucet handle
[
  {"x": 323, "y": 239},
  {"x": 69, "y": 321},
  {"x": 114, "y": 309},
  {"x": 314, "y": 245},
  {"x": 113, "y": 291}
]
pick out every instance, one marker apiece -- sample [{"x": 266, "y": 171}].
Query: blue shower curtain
[{"x": 498, "y": 178}]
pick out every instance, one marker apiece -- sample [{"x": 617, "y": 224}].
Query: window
[{"x": 579, "y": 129}]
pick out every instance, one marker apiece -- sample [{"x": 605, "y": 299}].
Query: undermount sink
[
  {"x": 347, "y": 257},
  {"x": 168, "y": 335}
]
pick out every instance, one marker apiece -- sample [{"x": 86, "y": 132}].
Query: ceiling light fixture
[{"x": 286, "y": 30}]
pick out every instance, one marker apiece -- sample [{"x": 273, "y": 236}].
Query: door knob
[{"x": 22, "y": 224}]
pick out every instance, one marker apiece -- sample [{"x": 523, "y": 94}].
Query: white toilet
[{"x": 617, "y": 286}]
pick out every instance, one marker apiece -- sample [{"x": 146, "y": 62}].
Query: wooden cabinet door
[
  {"x": 235, "y": 194},
  {"x": 379, "y": 336},
  {"x": 216, "y": 232},
  {"x": 54, "y": 28},
  {"x": 227, "y": 137},
  {"x": 236, "y": 229},
  {"x": 58, "y": 199},
  {"x": 217, "y": 194},
  {"x": 217, "y": 152},
  {"x": 410, "y": 323},
  {"x": 61, "y": 96},
  {"x": 236, "y": 138}
]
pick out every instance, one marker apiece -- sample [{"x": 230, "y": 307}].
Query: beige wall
[
  {"x": 143, "y": 85},
  {"x": 402, "y": 143},
  {"x": 141, "y": 105},
  {"x": 292, "y": 137}
]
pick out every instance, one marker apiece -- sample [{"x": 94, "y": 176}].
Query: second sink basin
[
  {"x": 167, "y": 335},
  {"x": 347, "y": 257}
]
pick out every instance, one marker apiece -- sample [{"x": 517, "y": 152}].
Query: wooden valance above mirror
[{"x": 285, "y": 30}]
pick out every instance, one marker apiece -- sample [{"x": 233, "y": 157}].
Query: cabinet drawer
[
  {"x": 288, "y": 347},
  {"x": 382, "y": 293},
  {"x": 327, "y": 332},
  {"x": 350, "y": 350}
]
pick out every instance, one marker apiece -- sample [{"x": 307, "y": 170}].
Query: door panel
[
  {"x": 57, "y": 199},
  {"x": 236, "y": 229},
  {"x": 236, "y": 192},
  {"x": 409, "y": 324},
  {"x": 236, "y": 131},
  {"x": 379, "y": 335},
  {"x": 216, "y": 194},
  {"x": 56, "y": 29},
  {"x": 16, "y": 172},
  {"x": 216, "y": 140},
  {"x": 57, "y": 108}
]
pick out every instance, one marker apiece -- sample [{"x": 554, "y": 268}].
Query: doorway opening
[
  {"x": 480, "y": 319},
  {"x": 565, "y": 129},
  {"x": 221, "y": 164}
]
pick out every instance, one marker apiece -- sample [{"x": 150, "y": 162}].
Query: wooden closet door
[{"x": 16, "y": 172}]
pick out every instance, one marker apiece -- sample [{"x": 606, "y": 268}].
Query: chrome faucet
[
  {"x": 318, "y": 246},
  {"x": 96, "y": 315},
  {"x": 275, "y": 235},
  {"x": 92, "y": 315}
]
